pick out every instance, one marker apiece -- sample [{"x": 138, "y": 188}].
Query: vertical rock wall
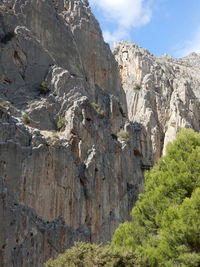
[
  {"x": 66, "y": 173},
  {"x": 74, "y": 183},
  {"x": 162, "y": 93}
]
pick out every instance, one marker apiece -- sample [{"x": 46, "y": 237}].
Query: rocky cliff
[
  {"x": 78, "y": 129},
  {"x": 64, "y": 173},
  {"x": 163, "y": 94}
]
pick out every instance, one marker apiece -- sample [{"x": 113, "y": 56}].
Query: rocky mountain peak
[{"x": 193, "y": 59}]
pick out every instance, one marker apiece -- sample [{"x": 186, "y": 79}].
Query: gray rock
[
  {"x": 162, "y": 94},
  {"x": 55, "y": 65},
  {"x": 78, "y": 181}
]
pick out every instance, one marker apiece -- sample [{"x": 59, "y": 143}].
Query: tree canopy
[{"x": 166, "y": 218}]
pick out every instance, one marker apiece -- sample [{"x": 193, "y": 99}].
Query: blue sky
[{"x": 161, "y": 26}]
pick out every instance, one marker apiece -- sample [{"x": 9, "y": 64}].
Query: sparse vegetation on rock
[
  {"x": 61, "y": 123},
  {"x": 123, "y": 136},
  {"x": 100, "y": 112},
  {"x": 86, "y": 174},
  {"x": 5, "y": 104},
  {"x": 43, "y": 88},
  {"x": 26, "y": 119}
]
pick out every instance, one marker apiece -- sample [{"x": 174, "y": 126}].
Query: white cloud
[
  {"x": 125, "y": 14},
  {"x": 189, "y": 46},
  {"x": 117, "y": 35}
]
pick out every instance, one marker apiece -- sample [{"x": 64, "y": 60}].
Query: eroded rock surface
[
  {"x": 77, "y": 130},
  {"x": 69, "y": 181},
  {"x": 162, "y": 94}
]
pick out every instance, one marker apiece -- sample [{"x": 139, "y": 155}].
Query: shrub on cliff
[
  {"x": 43, "y": 88},
  {"x": 100, "y": 112},
  {"x": 26, "y": 119},
  {"x": 123, "y": 136},
  {"x": 61, "y": 123},
  {"x": 5, "y": 104}
]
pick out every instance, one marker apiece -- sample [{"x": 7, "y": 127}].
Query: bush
[
  {"x": 26, "y": 119},
  {"x": 92, "y": 255},
  {"x": 5, "y": 104},
  {"x": 99, "y": 111},
  {"x": 43, "y": 88},
  {"x": 123, "y": 136},
  {"x": 61, "y": 123}
]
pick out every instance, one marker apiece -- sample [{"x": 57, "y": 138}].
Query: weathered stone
[
  {"x": 162, "y": 94},
  {"x": 55, "y": 65},
  {"x": 78, "y": 181}
]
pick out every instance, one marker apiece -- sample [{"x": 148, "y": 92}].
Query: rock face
[
  {"x": 64, "y": 173},
  {"x": 162, "y": 94},
  {"x": 75, "y": 137}
]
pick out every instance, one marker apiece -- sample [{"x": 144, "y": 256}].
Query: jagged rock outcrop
[
  {"x": 75, "y": 137},
  {"x": 69, "y": 181},
  {"x": 162, "y": 94}
]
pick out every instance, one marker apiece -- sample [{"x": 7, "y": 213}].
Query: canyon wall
[
  {"x": 163, "y": 94},
  {"x": 61, "y": 184},
  {"x": 78, "y": 126}
]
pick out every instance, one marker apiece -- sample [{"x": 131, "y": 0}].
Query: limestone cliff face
[
  {"x": 77, "y": 183},
  {"x": 162, "y": 94},
  {"x": 65, "y": 172}
]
